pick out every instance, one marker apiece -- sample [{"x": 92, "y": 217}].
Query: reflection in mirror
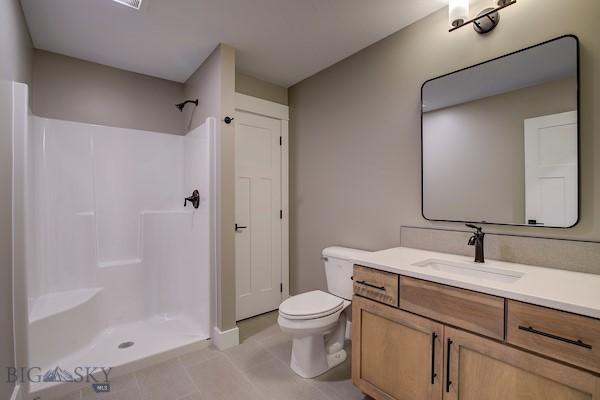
[{"x": 500, "y": 140}]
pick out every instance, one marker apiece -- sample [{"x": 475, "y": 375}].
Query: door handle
[
  {"x": 365, "y": 283},
  {"x": 194, "y": 199},
  {"x": 578, "y": 342},
  {"x": 433, "y": 373},
  {"x": 239, "y": 228},
  {"x": 448, "y": 380}
]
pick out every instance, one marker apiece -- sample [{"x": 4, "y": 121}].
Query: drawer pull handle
[
  {"x": 365, "y": 283},
  {"x": 433, "y": 374},
  {"x": 579, "y": 343},
  {"x": 448, "y": 381}
]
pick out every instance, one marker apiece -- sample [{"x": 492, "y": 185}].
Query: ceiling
[
  {"x": 281, "y": 41},
  {"x": 540, "y": 64}
]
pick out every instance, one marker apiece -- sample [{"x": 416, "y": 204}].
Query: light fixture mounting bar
[{"x": 482, "y": 16}]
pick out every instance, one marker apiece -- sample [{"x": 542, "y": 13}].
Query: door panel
[
  {"x": 480, "y": 368},
  {"x": 258, "y": 204},
  {"x": 551, "y": 173},
  {"x": 400, "y": 354}
]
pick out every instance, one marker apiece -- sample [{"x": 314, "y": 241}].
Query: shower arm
[{"x": 181, "y": 106}]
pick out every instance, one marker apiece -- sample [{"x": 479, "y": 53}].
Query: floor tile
[
  {"x": 219, "y": 379},
  {"x": 248, "y": 355},
  {"x": 337, "y": 383},
  {"x": 280, "y": 345},
  {"x": 200, "y": 356},
  {"x": 253, "y": 327},
  {"x": 72, "y": 396},
  {"x": 276, "y": 381},
  {"x": 194, "y": 396},
  {"x": 121, "y": 388},
  {"x": 126, "y": 394},
  {"x": 166, "y": 381}
]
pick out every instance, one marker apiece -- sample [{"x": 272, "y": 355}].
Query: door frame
[{"x": 254, "y": 105}]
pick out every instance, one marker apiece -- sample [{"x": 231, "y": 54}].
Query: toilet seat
[{"x": 310, "y": 305}]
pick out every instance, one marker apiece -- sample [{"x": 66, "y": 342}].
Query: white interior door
[
  {"x": 258, "y": 246},
  {"x": 551, "y": 181}
]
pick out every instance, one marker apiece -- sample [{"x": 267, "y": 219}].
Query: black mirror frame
[{"x": 578, "y": 137}]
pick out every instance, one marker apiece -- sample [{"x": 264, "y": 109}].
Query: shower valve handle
[{"x": 194, "y": 199}]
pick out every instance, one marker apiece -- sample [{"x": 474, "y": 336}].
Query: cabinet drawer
[
  {"x": 376, "y": 285},
  {"x": 472, "y": 311},
  {"x": 567, "y": 337}
]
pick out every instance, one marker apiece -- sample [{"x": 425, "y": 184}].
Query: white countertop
[{"x": 563, "y": 290}]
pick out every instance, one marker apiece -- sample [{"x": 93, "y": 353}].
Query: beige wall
[
  {"x": 355, "y": 130},
  {"x": 76, "y": 90},
  {"x": 255, "y": 87},
  {"x": 214, "y": 86},
  {"x": 204, "y": 85},
  {"x": 16, "y": 53},
  {"x": 16, "y": 49},
  {"x": 477, "y": 149}
]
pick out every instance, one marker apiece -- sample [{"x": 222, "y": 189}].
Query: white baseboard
[
  {"x": 16, "y": 395},
  {"x": 224, "y": 340}
]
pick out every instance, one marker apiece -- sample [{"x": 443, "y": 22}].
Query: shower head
[{"x": 180, "y": 106}]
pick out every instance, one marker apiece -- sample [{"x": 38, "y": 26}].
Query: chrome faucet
[{"x": 477, "y": 241}]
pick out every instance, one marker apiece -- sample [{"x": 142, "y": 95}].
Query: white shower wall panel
[
  {"x": 134, "y": 171},
  {"x": 107, "y": 217}
]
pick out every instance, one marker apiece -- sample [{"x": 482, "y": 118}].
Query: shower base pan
[{"x": 127, "y": 348}]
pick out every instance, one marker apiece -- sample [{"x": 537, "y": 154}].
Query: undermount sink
[{"x": 474, "y": 271}]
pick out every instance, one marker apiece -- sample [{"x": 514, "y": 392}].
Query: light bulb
[{"x": 459, "y": 12}]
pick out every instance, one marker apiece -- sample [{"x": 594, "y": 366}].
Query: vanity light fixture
[
  {"x": 484, "y": 22},
  {"x": 459, "y": 12}
]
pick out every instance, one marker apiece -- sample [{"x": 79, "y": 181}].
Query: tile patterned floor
[{"x": 257, "y": 369}]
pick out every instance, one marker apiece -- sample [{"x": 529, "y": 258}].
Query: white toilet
[{"x": 316, "y": 320}]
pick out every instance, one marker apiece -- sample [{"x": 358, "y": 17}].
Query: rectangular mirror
[{"x": 500, "y": 140}]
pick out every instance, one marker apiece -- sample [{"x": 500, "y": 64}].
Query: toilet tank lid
[{"x": 343, "y": 253}]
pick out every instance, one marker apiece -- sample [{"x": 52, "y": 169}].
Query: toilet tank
[{"x": 338, "y": 270}]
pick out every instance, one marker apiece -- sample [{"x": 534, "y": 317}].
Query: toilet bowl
[{"x": 316, "y": 320}]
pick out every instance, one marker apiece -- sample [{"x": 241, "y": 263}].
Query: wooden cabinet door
[
  {"x": 397, "y": 355},
  {"x": 479, "y": 368}
]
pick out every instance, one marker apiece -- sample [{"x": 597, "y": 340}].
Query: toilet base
[{"x": 313, "y": 355}]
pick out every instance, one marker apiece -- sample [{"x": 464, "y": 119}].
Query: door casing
[{"x": 280, "y": 112}]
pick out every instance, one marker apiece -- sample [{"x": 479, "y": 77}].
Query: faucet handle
[{"x": 478, "y": 228}]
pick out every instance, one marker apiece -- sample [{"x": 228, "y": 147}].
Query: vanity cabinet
[
  {"x": 475, "y": 312},
  {"x": 377, "y": 285},
  {"x": 480, "y": 368},
  {"x": 445, "y": 343},
  {"x": 567, "y": 337},
  {"x": 398, "y": 355}
]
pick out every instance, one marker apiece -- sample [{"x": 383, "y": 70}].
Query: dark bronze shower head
[{"x": 180, "y": 106}]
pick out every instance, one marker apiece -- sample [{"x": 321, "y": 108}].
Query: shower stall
[{"x": 113, "y": 269}]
